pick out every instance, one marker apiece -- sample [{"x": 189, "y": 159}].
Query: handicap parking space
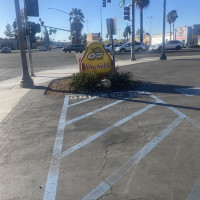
[{"x": 123, "y": 146}]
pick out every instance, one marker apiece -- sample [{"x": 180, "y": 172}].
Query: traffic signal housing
[
  {"x": 127, "y": 13},
  {"x": 108, "y": 1},
  {"x": 104, "y": 3}
]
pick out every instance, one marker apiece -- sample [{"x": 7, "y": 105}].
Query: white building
[
  {"x": 186, "y": 34},
  {"x": 157, "y": 39}
]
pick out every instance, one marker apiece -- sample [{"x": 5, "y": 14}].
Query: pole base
[
  {"x": 26, "y": 82},
  {"x": 163, "y": 56},
  {"x": 132, "y": 59}
]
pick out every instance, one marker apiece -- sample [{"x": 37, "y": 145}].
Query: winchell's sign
[{"x": 96, "y": 58}]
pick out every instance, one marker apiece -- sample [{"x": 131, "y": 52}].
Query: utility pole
[
  {"x": 26, "y": 81},
  {"x": 101, "y": 19},
  {"x": 28, "y": 41},
  {"x": 163, "y": 55},
  {"x": 133, "y": 32}
]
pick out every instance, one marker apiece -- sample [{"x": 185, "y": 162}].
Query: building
[
  {"x": 188, "y": 34},
  {"x": 184, "y": 34},
  {"x": 93, "y": 37},
  {"x": 157, "y": 39},
  {"x": 11, "y": 43},
  {"x": 146, "y": 39}
]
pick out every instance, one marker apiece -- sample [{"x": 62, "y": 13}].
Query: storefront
[{"x": 188, "y": 34}]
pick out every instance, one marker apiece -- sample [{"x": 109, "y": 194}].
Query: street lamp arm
[{"x": 59, "y": 10}]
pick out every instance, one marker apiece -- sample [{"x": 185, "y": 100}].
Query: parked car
[
  {"x": 139, "y": 46},
  {"x": 5, "y": 50},
  {"x": 76, "y": 47},
  {"x": 170, "y": 45},
  {"x": 42, "y": 48},
  {"x": 109, "y": 48}
]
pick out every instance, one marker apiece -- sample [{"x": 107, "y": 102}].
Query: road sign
[
  {"x": 111, "y": 26},
  {"x": 121, "y": 3},
  {"x": 32, "y": 8}
]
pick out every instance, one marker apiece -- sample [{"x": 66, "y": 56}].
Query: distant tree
[
  {"x": 77, "y": 25},
  {"x": 141, "y": 4},
  {"x": 9, "y": 32},
  {"x": 34, "y": 28},
  {"x": 174, "y": 17},
  {"x": 169, "y": 20},
  {"x": 84, "y": 39},
  {"x": 127, "y": 32}
]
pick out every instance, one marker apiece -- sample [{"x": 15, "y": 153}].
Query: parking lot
[{"x": 130, "y": 145}]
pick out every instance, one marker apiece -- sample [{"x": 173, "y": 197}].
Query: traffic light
[
  {"x": 127, "y": 13},
  {"x": 108, "y": 1},
  {"x": 104, "y": 3}
]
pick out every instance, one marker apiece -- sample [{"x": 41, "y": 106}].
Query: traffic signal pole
[
  {"x": 133, "y": 32},
  {"x": 28, "y": 41},
  {"x": 26, "y": 81}
]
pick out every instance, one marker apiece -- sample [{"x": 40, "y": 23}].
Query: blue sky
[{"x": 188, "y": 12}]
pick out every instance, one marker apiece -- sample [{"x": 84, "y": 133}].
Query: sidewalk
[{"x": 11, "y": 93}]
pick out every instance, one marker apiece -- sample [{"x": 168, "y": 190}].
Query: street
[
  {"x": 139, "y": 144},
  {"x": 10, "y": 64}
]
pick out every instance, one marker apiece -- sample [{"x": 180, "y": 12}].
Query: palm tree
[
  {"x": 127, "y": 32},
  {"x": 141, "y": 4},
  {"x": 169, "y": 20},
  {"x": 174, "y": 17},
  {"x": 77, "y": 24}
]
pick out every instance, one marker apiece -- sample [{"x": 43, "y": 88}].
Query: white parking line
[
  {"x": 52, "y": 180},
  {"x": 177, "y": 112},
  {"x": 106, "y": 130},
  {"x": 124, "y": 169},
  {"x": 195, "y": 194},
  {"x": 80, "y": 102},
  {"x": 95, "y": 111}
]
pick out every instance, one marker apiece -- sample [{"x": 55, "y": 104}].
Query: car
[
  {"x": 170, "y": 45},
  {"x": 75, "y": 47},
  {"x": 109, "y": 48},
  {"x": 42, "y": 48},
  {"x": 139, "y": 46},
  {"x": 5, "y": 50}
]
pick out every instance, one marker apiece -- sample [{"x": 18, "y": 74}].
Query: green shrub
[
  {"x": 121, "y": 79},
  {"x": 84, "y": 81}
]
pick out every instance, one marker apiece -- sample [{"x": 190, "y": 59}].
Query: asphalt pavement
[{"x": 140, "y": 144}]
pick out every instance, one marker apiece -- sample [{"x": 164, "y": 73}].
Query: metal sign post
[
  {"x": 112, "y": 30},
  {"x": 26, "y": 81}
]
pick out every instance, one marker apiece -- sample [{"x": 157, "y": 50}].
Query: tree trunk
[
  {"x": 173, "y": 30},
  {"x": 170, "y": 25},
  {"x": 141, "y": 25}
]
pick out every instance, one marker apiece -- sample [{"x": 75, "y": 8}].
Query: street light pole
[
  {"x": 163, "y": 55},
  {"x": 26, "y": 81},
  {"x": 133, "y": 32}
]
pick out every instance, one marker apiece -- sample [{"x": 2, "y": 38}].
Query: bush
[
  {"x": 84, "y": 81},
  {"x": 121, "y": 79}
]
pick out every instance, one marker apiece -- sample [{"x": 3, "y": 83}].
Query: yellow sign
[{"x": 96, "y": 58}]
